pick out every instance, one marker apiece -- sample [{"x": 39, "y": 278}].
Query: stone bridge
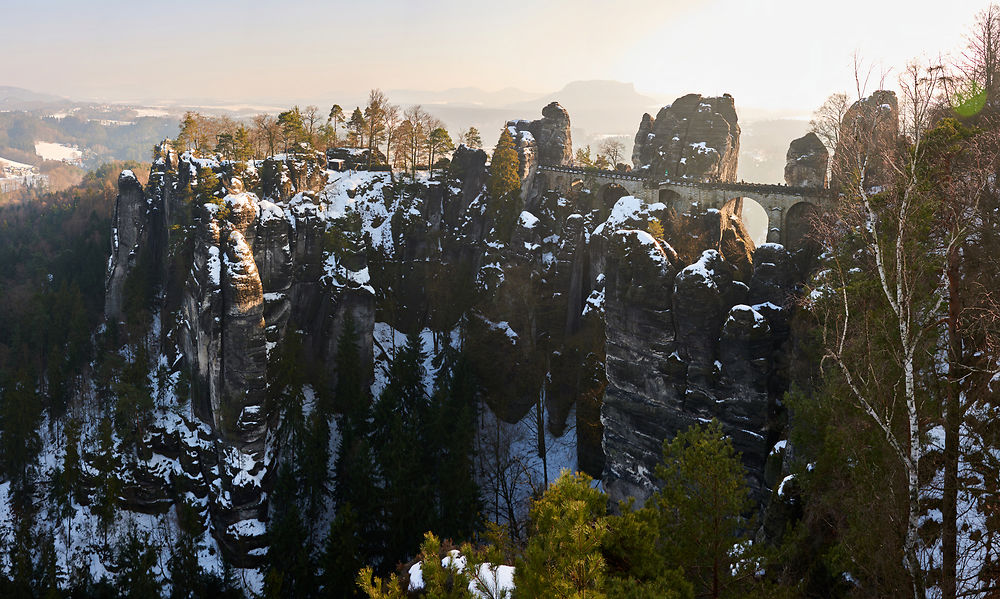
[
  {"x": 563, "y": 178},
  {"x": 788, "y": 208}
]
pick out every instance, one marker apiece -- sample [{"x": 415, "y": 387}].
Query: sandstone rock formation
[
  {"x": 869, "y": 127},
  {"x": 575, "y": 295},
  {"x": 806, "y": 162},
  {"x": 255, "y": 267},
  {"x": 547, "y": 140},
  {"x": 694, "y": 138},
  {"x": 686, "y": 344},
  {"x": 130, "y": 222}
]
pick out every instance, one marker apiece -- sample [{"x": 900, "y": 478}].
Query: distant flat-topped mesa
[{"x": 695, "y": 138}]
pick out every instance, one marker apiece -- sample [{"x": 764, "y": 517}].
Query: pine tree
[
  {"x": 337, "y": 117},
  {"x": 135, "y": 560},
  {"x": 401, "y": 453},
  {"x": 349, "y": 393},
  {"x": 473, "y": 138},
  {"x": 133, "y": 399},
  {"x": 343, "y": 555},
  {"x": 242, "y": 144},
  {"x": 699, "y": 510},
  {"x": 313, "y": 462},
  {"x": 451, "y": 445},
  {"x": 504, "y": 185},
  {"x": 289, "y": 565},
  {"x": 438, "y": 142},
  {"x": 187, "y": 138},
  {"x": 187, "y": 578},
  {"x": 293, "y": 129},
  {"x": 20, "y": 410},
  {"x": 583, "y": 157},
  {"x": 356, "y": 128},
  {"x": 207, "y": 188},
  {"x": 109, "y": 484},
  {"x": 563, "y": 556},
  {"x": 655, "y": 228}
]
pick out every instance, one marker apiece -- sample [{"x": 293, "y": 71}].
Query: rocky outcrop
[
  {"x": 547, "y": 140},
  {"x": 869, "y": 127},
  {"x": 549, "y": 135},
  {"x": 253, "y": 267},
  {"x": 128, "y": 233},
  {"x": 643, "y": 137},
  {"x": 686, "y": 344},
  {"x": 694, "y": 138},
  {"x": 806, "y": 162}
]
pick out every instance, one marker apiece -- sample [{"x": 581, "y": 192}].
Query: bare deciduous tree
[
  {"x": 911, "y": 285},
  {"x": 613, "y": 150}
]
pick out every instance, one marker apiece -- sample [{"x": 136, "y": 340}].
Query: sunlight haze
[{"x": 776, "y": 55}]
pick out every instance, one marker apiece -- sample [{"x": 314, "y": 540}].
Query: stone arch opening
[
  {"x": 799, "y": 222},
  {"x": 607, "y": 195},
  {"x": 753, "y": 216}
]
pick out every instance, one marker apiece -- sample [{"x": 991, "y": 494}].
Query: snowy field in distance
[
  {"x": 56, "y": 151},
  {"x": 144, "y": 112}
]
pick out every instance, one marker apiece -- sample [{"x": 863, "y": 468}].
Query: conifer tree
[
  {"x": 337, "y": 117},
  {"x": 109, "y": 487},
  {"x": 349, "y": 392},
  {"x": 187, "y": 138},
  {"x": 20, "y": 410},
  {"x": 563, "y": 556},
  {"x": 135, "y": 559},
  {"x": 450, "y": 442},
  {"x": 356, "y": 128},
  {"x": 188, "y": 579},
  {"x": 699, "y": 511},
  {"x": 290, "y": 571},
  {"x": 438, "y": 142},
  {"x": 504, "y": 185},
  {"x": 313, "y": 462},
  {"x": 401, "y": 451},
  {"x": 473, "y": 138},
  {"x": 343, "y": 556},
  {"x": 242, "y": 144},
  {"x": 293, "y": 129}
]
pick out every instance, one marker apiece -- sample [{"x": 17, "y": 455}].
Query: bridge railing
[
  {"x": 766, "y": 188},
  {"x": 593, "y": 172}
]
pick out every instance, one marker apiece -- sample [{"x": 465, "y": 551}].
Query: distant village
[{"x": 18, "y": 175}]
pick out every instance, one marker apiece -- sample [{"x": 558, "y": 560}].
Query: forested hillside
[{"x": 349, "y": 353}]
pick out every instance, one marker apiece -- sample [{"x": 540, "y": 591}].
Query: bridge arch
[
  {"x": 799, "y": 221},
  {"x": 752, "y": 214}
]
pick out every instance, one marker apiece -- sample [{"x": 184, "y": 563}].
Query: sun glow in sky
[{"x": 778, "y": 54}]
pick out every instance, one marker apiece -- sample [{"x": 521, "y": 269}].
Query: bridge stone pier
[{"x": 788, "y": 208}]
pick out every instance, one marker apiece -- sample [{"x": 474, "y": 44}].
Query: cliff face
[
  {"x": 573, "y": 311},
  {"x": 131, "y": 225},
  {"x": 686, "y": 344},
  {"x": 254, "y": 268},
  {"x": 543, "y": 141},
  {"x": 694, "y": 138}
]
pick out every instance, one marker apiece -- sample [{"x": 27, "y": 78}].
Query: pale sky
[{"x": 779, "y": 54}]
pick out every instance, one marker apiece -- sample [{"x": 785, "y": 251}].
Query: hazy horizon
[{"x": 778, "y": 55}]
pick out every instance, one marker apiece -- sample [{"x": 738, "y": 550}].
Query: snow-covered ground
[
  {"x": 12, "y": 165},
  {"x": 147, "y": 112},
  {"x": 56, "y": 151}
]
